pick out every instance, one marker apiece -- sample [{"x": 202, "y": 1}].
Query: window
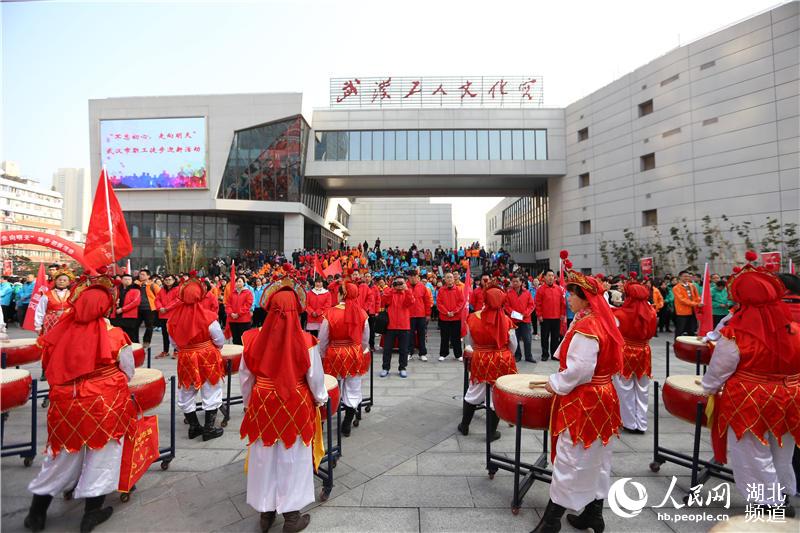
[
  {"x": 483, "y": 145},
  {"x": 401, "y": 146},
  {"x": 388, "y": 145},
  {"x": 494, "y": 145},
  {"x": 650, "y": 217},
  {"x": 583, "y": 134},
  {"x": 447, "y": 145},
  {"x": 670, "y": 79},
  {"x": 459, "y": 145},
  {"x": 645, "y": 108},
  {"x": 366, "y": 145},
  {"x": 586, "y": 227},
  {"x": 355, "y": 146},
  {"x": 377, "y": 146},
  {"x": 529, "y": 139},
  {"x": 541, "y": 145},
  {"x": 472, "y": 145},
  {"x": 413, "y": 145},
  {"x": 505, "y": 144},
  {"x": 424, "y": 145},
  {"x": 583, "y": 180},
  {"x": 648, "y": 162},
  {"x": 518, "y": 153},
  {"x": 436, "y": 145}
]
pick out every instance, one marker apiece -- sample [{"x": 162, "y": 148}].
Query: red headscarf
[
  {"x": 593, "y": 290},
  {"x": 189, "y": 320},
  {"x": 493, "y": 315},
  {"x": 352, "y": 315},
  {"x": 279, "y": 352},
  {"x": 637, "y": 306},
  {"x": 78, "y": 344}
]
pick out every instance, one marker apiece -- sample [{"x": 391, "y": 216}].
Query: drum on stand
[
  {"x": 148, "y": 387},
  {"x": 686, "y": 347},
  {"x": 681, "y": 394},
  {"x": 513, "y": 389},
  {"x": 232, "y": 353},
  {"x": 138, "y": 354},
  {"x": 16, "y": 388},
  {"x": 20, "y": 351}
]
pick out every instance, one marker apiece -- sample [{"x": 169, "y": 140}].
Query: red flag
[
  {"x": 334, "y": 268},
  {"x": 39, "y": 288},
  {"x": 108, "y": 239},
  {"x": 704, "y": 314},
  {"x": 318, "y": 267}
]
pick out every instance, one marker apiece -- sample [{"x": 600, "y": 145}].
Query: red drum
[
  {"x": 148, "y": 387},
  {"x": 232, "y": 353},
  {"x": 681, "y": 394},
  {"x": 686, "y": 347},
  {"x": 332, "y": 387},
  {"x": 16, "y": 388},
  {"x": 20, "y": 351},
  {"x": 138, "y": 354},
  {"x": 513, "y": 389}
]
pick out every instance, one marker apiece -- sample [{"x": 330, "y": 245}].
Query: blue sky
[{"x": 58, "y": 55}]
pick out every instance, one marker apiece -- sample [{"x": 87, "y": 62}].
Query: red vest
[
  {"x": 636, "y": 354},
  {"x": 489, "y": 361},
  {"x": 198, "y": 362},
  {"x": 343, "y": 358}
]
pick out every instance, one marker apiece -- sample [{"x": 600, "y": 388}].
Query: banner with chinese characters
[
  {"x": 646, "y": 265},
  {"x": 453, "y": 91},
  {"x": 771, "y": 261}
]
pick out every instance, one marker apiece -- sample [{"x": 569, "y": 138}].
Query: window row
[{"x": 431, "y": 145}]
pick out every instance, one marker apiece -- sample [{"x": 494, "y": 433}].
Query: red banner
[
  {"x": 10, "y": 238},
  {"x": 771, "y": 261},
  {"x": 646, "y": 266}
]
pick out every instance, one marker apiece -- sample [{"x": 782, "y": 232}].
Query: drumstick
[{"x": 537, "y": 384}]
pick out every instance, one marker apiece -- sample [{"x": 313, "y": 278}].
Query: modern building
[
  {"x": 73, "y": 184},
  {"x": 402, "y": 222}
]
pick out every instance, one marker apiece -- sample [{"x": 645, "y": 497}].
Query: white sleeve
[
  {"x": 323, "y": 336},
  {"x": 246, "y": 380},
  {"x": 126, "y": 362},
  {"x": 41, "y": 309},
  {"x": 365, "y": 337},
  {"x": 513, "y": 343},
  {"x": 468, "y": 341},
  {"x": 217, "y": 336},
  {"x": 716, "y": 335},
  {"x": 581, "y": 361},
  {"x": 316, "y": 376},
  {"x": 722, "y": 365}
]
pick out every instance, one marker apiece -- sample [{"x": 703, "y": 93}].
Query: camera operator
[{"x": 398, "y": 301}]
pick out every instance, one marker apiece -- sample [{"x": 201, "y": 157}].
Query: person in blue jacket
[{"x": 24, "y": 297}]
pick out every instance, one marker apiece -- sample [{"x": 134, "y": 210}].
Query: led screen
[{"x": 155, "y": 153}]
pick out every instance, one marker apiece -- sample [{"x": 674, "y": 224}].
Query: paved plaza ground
[{"x": 405, "y": 468}]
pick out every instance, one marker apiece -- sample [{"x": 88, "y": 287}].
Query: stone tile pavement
[{"x": 405, "y": 468}]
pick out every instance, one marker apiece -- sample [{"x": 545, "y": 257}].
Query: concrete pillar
[{"x": 292, "y": 233}]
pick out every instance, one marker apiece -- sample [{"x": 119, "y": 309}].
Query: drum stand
[
  {"x": 368, "y": 401},
  {"x": 531, "y": 472},
  {"x": 467, "y": 364},
  {"x": 701, "y": 469},
  {"x": 698, "y": 362},
  {"x": 332, "y": 453},
  {"x": 166, "y": 455},
  {"x": 26, "y": 450}
]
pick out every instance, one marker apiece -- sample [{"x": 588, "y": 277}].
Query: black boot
[
  {"x": 494, "y": 420},
  {"x": 466, "y": 418},
  {"x": 591, "y": 517},
  {"x": 195, "y": 429},
  {"x": 349, "y": 413},
  {"x": 294, "y": 521},
  {"x": 551, "y": 521},
  {"x": 37, "y": 515},
  {"x": 94, "y": 513},
  {"x": 209, "y": 431},
  {"x": 267, "y": 519}
]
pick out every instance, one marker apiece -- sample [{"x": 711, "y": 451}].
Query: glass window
[
  {"x": 355, "y": 146},
  {"x": 388, "y": 145},
  {"x": 436, "y": 145},
  {"x": 516, "y": 145},
  {"x": 541, "y": 144},
  {"x": 424, "y": 145},
  {"x": 377, "y": 146},
  {"x": 459, "y": 145},
  {"x": 447, "y": 145},
  {"x": 472, "y": 145},
  {"x": 402, "y": 145},
  {"x": 529, "y": 140},
  {"x": 366, "y": 145},
  {"x": 483, "y": 145},
  {"x": 413, "y": 145},
  {"x": 494, "y": 145},
  {"x": 505, "y": 144},
  {"x": 319, "y": 145},
  {"x": 331, "y": 142}
]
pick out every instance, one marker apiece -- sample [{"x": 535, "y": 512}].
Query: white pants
[
  {"x": 90, "y": 472},
  {"x": 211, "y": 395},
  {"x": 350, "y": 389},
  {"x": 633, "y": 400},
  {"x": 476, "y": 393},
  {"x": 280, "y": 479},
  {"x": 580, "y": 475},
  {"x": 765, "y": 467}
]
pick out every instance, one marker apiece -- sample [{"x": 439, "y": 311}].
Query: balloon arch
[{"x": 75, "y": 251}]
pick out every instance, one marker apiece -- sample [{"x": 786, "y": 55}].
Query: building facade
[
  {"x": 402, "y": 222},
  {"x": 73, "y": 184}
]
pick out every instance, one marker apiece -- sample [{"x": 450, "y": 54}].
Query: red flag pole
[{"x": 108, "y": 212}]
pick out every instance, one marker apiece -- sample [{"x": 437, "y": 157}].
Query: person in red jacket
[
  {"x": 450, "y": 301},
  {"x": 210, "y": 300},
  {"x": 519, "y": 306},
  {"x": 551, "y": 310},
  {"x": 318, "y": 301},
  {"x": 166, "y": 299},
  {"x": 476, "y": 297},
  {"x": 127, "y": 308},
  {"x": 398, "y": 301},
  {"x": 420, "y": 314},
  {"x": 238, "y": 308}
]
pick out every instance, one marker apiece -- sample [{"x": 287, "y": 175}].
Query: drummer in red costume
[
  {"x": 343, "y": 339},
  {"x": 585, "y": 411},
  {"x": 756, "y": 363},
  {"x": 282, "y": 376},
  {"x": 53, "y": 303},
  {"x": 491, "y": 342},
  {"x": 637, "y": 322},
  {"x": 198, "y": 337},
  {"x": 88, "y": 365}
]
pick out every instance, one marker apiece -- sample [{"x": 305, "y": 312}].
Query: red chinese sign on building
[{"x": 466, "y": 91}]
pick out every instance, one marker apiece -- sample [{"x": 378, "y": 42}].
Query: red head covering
[
  {"x": 593, "y": 290},
  {"x": 189, "y": 320},
  {"x": 637, "y": 305},
  {"x": 352, "y": 315},
  {"x": 78, "y": 344},
  {"x": 279, "y": 352},
  {"x": 493, "y": 314}
]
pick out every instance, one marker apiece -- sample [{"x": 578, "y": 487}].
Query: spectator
[
  {"x": 719, "y": 300},
  {"x": 398, "y": 301},
  {"x": 519, "y": 306},
  {"x": 238, "y": 306},
  {"x": 551, "y": 310},
  {"x": 6, "y": 292},
  {"x": 127, "y": 312},
  {"x": 450, "y": 302},
  {"x": 147, "y": 306},
  {"x": 318, "y": 300},
  {"x": 259, "y": 314},
  {"x": 166, "y": 300},
  {"x": 534, "y": 284},
  {"x": 420, "y": 314},
  {"x": 24, "y": 298},
  {"x": 665, "y": 313},
  {"x": 687, "y": 299}
]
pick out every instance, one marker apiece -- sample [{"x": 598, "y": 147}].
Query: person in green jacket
[{"x": 720, "y": 304}]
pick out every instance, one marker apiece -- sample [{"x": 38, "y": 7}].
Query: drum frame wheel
[
  {"x": 332, "y": 452},
  {"x": 366, "y": 402},
  {"x": 701, "y": 470},
  {"x": 531, "y": 472},
  {"x": 26, "y": 450}
]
